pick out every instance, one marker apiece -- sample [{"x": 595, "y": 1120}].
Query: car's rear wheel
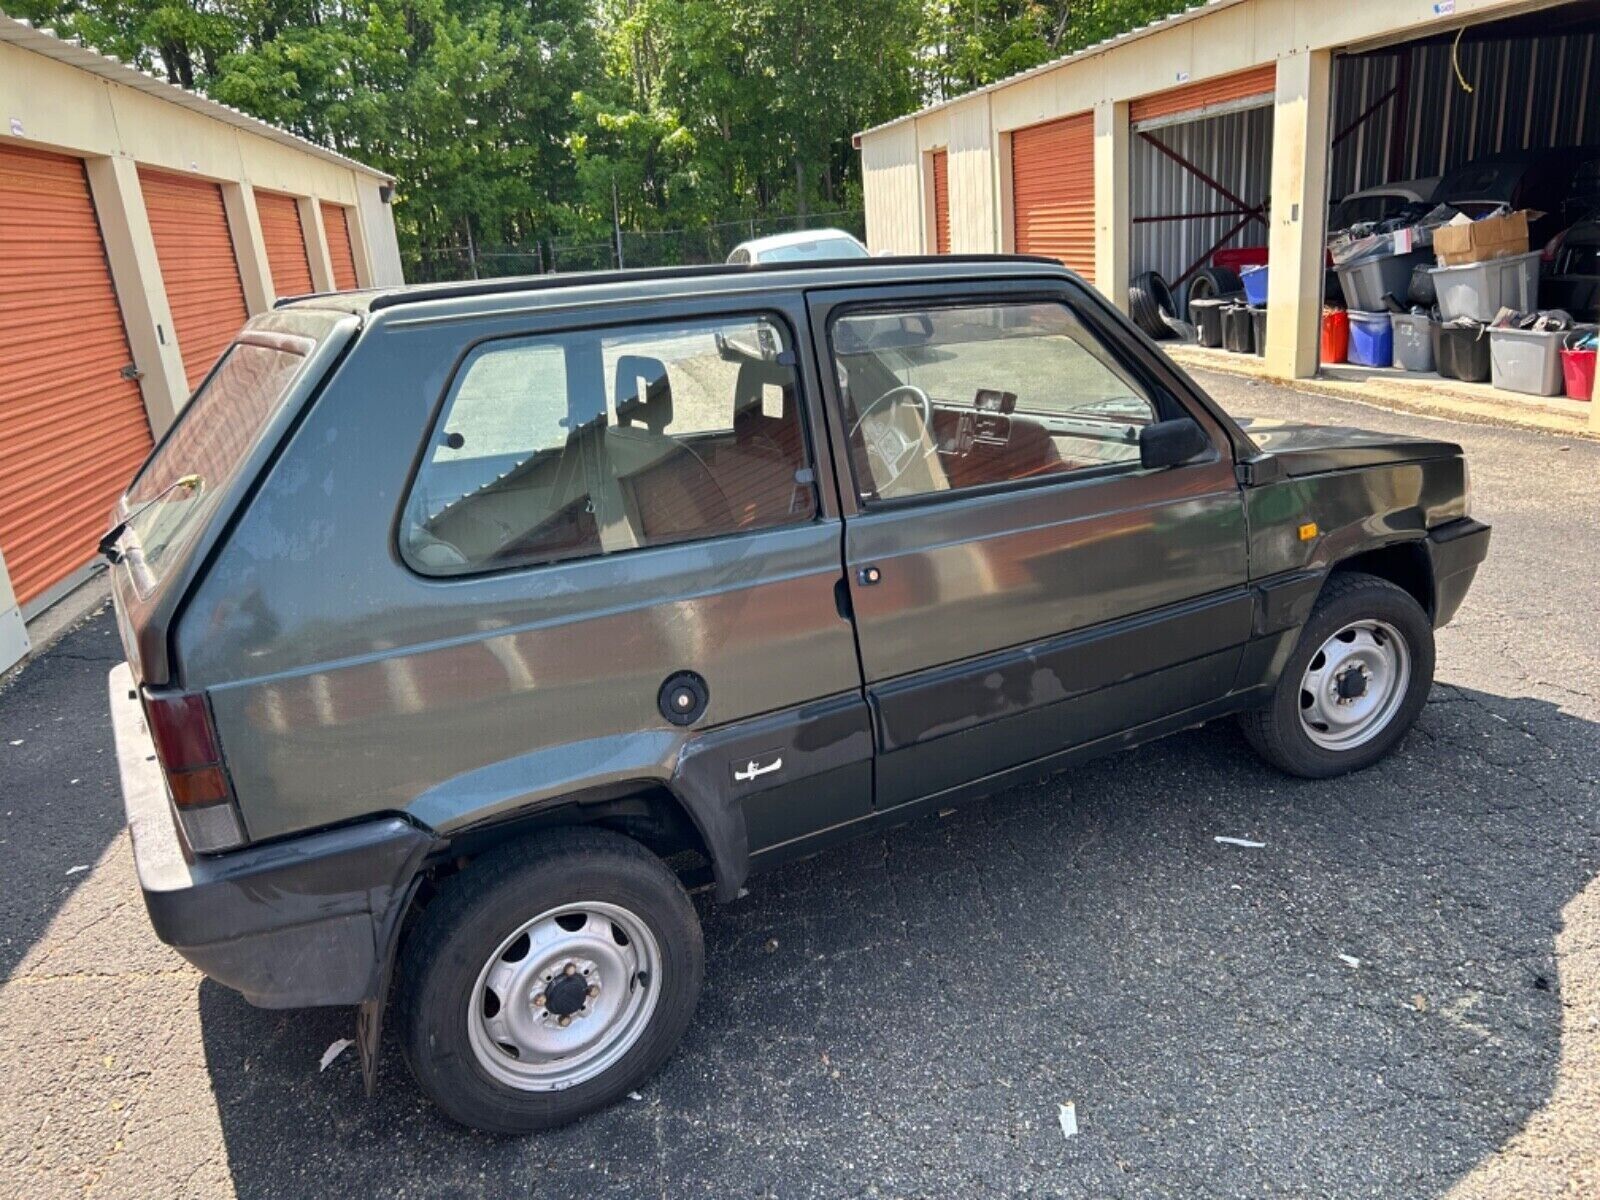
[
  {"x": 548, "y": 979},
  {"x": 1356, "y": 681}
]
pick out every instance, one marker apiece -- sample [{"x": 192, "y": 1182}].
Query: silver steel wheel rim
[
  {"x": 521, "y": 1021},
  {"x": 1354, "y": 685}
]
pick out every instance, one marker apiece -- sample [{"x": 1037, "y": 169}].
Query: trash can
[
  {"x": 1207, "y": 318},
  {"x": 1371, "y": 339},
  {"x": 1480, "y": 290},
  {"x": 1238, "y": 329},
  {"x": 1367, "y": 282},
  {"x": 1464, "y": 353},
  {"x": 1577, "y": 368},
  {"x": 1527, "y": 360},
  {"x": 1413, "y": 341},
  {"x": 1259, "y": 316},
  {"x": 1335, "y": 335}
]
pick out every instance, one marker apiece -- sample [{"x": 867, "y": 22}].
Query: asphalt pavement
[{"x": 1396, "y": 995}]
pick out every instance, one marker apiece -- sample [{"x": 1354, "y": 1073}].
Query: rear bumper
[
  {"x": 1455, "y": 549},
  {"x": 301, "y": 922}
]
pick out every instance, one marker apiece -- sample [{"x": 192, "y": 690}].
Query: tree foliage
[{"x": 513, "y": 121}]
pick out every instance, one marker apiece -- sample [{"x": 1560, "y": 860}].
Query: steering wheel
[{"x": 890, "y": 443}]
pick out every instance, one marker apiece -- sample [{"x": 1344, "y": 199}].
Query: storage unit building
[
  {"x": 1229, "y": 128},
  {"x": 140, "y": 226}
]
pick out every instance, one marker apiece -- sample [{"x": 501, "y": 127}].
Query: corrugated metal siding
[
  {"x": 195, "y": 249},
  {"x": 893, "y": 189},
  {"x": 1052, "y": 191},
  {"x": 1527, "y": 92},
  {"x": 1255, "y": 82},
  {"x": 72, "y": 430},
  {"x": 286, "y": 244},
  {"x": 1235, "y": 149},
  {"x": 941, "y": 202},
  {"x": 336, "y": 226}
]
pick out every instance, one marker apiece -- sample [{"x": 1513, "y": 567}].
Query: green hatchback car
[{"x": 470, "y": 628}]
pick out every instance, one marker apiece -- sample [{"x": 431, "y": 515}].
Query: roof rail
[{"x": 422, "y": 293}]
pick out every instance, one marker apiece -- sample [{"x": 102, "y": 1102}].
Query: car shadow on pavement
[{"x": 1370, "y": 1002}]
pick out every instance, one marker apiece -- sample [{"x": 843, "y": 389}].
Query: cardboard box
[{"x": 1480, "y": 241}]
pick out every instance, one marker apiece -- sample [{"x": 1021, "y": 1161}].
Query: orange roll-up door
[
  {"x": 941, "y": 202},
  {"x": 1242, "y": 85},
  {"x": 1052, "y": 191},
  {"x": 336, "y": 226},
  {"x": 286, "y": 244},
  {"x": 73, "y": 429},
  {"x": 198, "y": 267}
]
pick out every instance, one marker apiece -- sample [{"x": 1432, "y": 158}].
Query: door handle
[{"x": 868, "y": 575}]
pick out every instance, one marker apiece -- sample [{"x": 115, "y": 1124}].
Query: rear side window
[
  {"x": 599, "y": 441},
  {"x": 203, "y": 451}
]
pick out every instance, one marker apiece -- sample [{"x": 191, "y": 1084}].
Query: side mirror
[{"x": 1171, "y": 443}]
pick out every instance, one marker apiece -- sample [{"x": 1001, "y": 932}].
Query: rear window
[{"x": 203, "y": 450}]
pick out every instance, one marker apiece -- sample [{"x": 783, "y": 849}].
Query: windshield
[
  {"x": 204, "y": 449},
  {"x": 822, "y": 248}
]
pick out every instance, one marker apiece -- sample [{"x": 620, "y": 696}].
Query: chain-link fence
[{"x": 659, "y": 248}]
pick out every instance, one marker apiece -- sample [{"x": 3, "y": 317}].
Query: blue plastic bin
[
  {"x": 1371, "y": 339},
  {"x": 1255, "y": 285}
]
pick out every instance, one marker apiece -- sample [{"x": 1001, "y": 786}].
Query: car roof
[
  {"x": 485, "y": 297},
  {"x": 798, "y": 238},
  {"x": 1423, "y": 185}
]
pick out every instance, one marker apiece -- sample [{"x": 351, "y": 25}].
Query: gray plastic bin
[
  {"x": 1413, "y": 341},
  {"x": 1366, "y": 283},
  {"x": 1527, "y": 360},
  {"x": 1480, "y": 290}
]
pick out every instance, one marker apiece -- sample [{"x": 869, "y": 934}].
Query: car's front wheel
[
  {"x": 1356, "y": 681},
  {"x": 548, "y": 979}
]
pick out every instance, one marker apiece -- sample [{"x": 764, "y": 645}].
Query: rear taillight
[{"x": 191, "y": 759}]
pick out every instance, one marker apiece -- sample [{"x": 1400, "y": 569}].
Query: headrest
[{"x": 643, "y": 392}]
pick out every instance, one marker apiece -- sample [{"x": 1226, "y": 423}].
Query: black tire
[
  {"x": 1150, "y": 304},
  {"x": 1276, "y": 731},
  {"x": 1212, "y": 283},
  {"x": 459, "y": 932}
]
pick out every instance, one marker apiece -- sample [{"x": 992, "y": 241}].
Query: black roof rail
[{"x": 422, "y": 293}]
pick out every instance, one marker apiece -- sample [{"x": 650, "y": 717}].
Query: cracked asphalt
[{"x": 904, "y": 1016}]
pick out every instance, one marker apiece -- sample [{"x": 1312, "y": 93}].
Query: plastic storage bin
[
  {"x": 1366, "y": 283},
  {"x": 1371, "y": 339},
  {"x": 1577, "y": 369},
  {"x": 1238, "y": 329},
  {"x": 1255, "y": 284},
  {"x": 1335, "y": 335},
  {"x": 1463, "y": 353},
  {"x": 1526, "y": 360},
  {"x": 1413, "y": 341},
  {"x": 1259, "y": 316},
  {"x": 1207, "y": 318},
  {"x": 1480, "y": 290}
]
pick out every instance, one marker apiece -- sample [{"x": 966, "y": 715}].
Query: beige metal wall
[
  {"x": 115, "y": 127},
  {"x": 1223, "y": 37}
]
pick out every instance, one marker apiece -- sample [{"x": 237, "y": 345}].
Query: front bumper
[
  {"x": 296, "y": 923},
  {"x": 1455, "y": 550}
]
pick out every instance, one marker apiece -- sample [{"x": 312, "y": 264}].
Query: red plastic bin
[
  {"x": 1578, "y": 367},
  {"x": 1335, "y": 335}
]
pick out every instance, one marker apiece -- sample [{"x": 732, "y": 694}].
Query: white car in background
[{"x": 808, "y": 245}]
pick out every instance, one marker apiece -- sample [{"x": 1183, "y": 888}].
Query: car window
[
  {"x": 815, "y": 251},
  {"x": 956, "y": 397},
  {"x": 597, "y": 441}
]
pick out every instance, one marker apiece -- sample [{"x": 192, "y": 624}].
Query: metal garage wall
[
  {"x": 1235, "y": 150},
  {"x": 1527, "y": 92},
  {"x": 286, "y": 244},
  {"x": 1052, "y": 191},
  {"x": 336, "y": 228},
  {"x": 891, "y": 179},
  {"x": 940, "y": 164},
  {"x": 73, "y": 428},
  {"x": 198, "y": 267}
]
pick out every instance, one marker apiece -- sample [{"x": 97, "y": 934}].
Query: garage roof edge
[
  {"x": 1178, "y": 18},
  {"x": 73, "y": 53}
]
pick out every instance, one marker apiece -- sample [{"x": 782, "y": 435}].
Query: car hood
[{"x": 1316, "y": 449}]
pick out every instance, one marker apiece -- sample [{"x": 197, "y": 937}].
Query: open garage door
[
  {"x": 341, "y": 250},
  {"x": 73, "y": 428},
  {"x": 1052, "y": 191},
  {"x": 198, "y": 267},
  {"x": 286, "y": 244},
  {"x": 1206, "y": 98}
]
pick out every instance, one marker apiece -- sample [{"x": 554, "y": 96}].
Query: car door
[{"x": 1020, "y": 584}]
